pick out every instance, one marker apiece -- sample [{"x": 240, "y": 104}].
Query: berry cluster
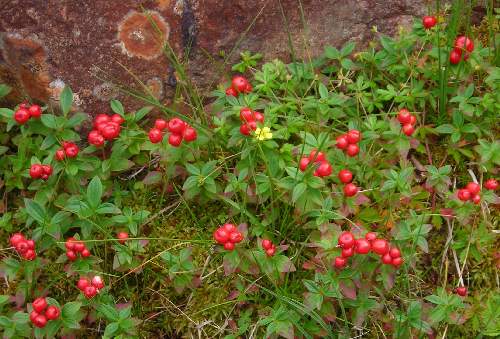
[
  {"x": 38, "y": 171},
  {"x": 24, "y": 113},
  {"x": 69, "y": 150},
  {"x": 470, "y": 192},
  {"x": 491, "y": 184},
  {"x": 268, "y": 247},
  {"x": 462, "y": 44},
  {"x": 249, "y": 120},
  {"x": 90, "y": 287},
  {"x": 228, "y": 235},
  {"x": 25, "y": 247},
  {"x": 73, "y": 247},
  {"x": 350, "y": 245},
  {"x": 407, "y": 120},
  {"x": 105, "y": 128},
  {"x": 323, "y": 167},
  {"x": 239, "y": 84},
  {"x": 41, "y": 313},
  {"x": 349, "y": 142},
  {"x": 178, "y": 129},
  {"x": 345, "y": 176},
  {"x": 429, "y": 21}
]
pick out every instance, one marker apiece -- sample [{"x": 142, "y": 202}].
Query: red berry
[
  {"x": 82, "y": 283},
  {"x": 464, "y": 43},
  {"x": 123, "y": 236},
  {"x": 176, "y": 126},
  {"x": 429, "y": 21},
  {"x": 461, "y": 291},
  {"x": 476, "y": 199},
  {"x": 370, "y": 236},
  {"x": 346, "y": 240},
  {"x": 161, "y": 124},
  {"x": 16, "y": 238},
  {"x": 70, "y": 243},
  {"x": 396, "y": 262},
  {"x": 303, "y": 164},
  {"x": 324, "y": 169},
  {"x": 31, "y": 244},
  {"x": 39, "y": 304},
  {"x": 60, "y": 155},
  {"x": 101, "y": 119},
  {"x": 352, "y": 150},
  {"x": 266, "y": 244},
  {"x": 408, "y": 129},
  {"x": 340, "y": 262},
  {"x": 345, "y": 176},
  {"x": 240, "y": 84},
  {"x": 235, "y": 237},
  {"x": 353, "y": 136},
  {"x": 229, "y": 228},
  {"x": 22, "y": 247},
  {"x": 155, "y": 135},
  {"x": 259, "y": 117},
  {"x": 350, "y": 190},
  {"x": 97, "y": 282},
  {"x": 231, "y": 92},
  {"x": 229, "y": 246},
  {"x": 221, "y": 235},
  {"x": 36, "y": 171},
  {"x": 110, "y": 131},
  {"x": 35, "y": 111},
  {"x": 455, "y": 57},
  {"x": 78, "y": 246},
  {"x": 71, "y": 255},
  {"x": 175, "y": 140},
  {"x": 362, "y": 246},
  {"x": 413, "y": 120},
  {"x": 71, "y": 150},
  {"x": 85, "y": 253},
  {"x": 342, "y": 142},
  {"x": 246, "y": 114},
  {"x": 89, "y": 292},
  {"x": 347, "y": 252},
  {"x": 22, "y": 116},
  {"x": 29, "y": 255},
  {"x": 380, "y": 246},
  {"x": 117, "y": 118},
  {"x": 473, "y": 188},
  {"x": 463, "y": 194},
  {"x": 387, "y": 259},
  {"x": 248, "y": 88},
  {"x": 271, "y": 251},
  {"x": 190, "y": 134},
  {"x": 395, "y": 252},
  {"x": 47, "y": 169},
  {"x": 245, "y": 129},
  {"x": 491, "y": 184},
  {"x": 95, "y": 138},
  {"x": 40, "y": 321},
  {"x": 404, "y": 116},
  {"x": 33, "y": 316},
  {"x": 52, "y": 312},
  {"x": 316, "y": 156}
]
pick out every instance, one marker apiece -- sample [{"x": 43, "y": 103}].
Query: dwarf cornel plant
[{"x": 353, "y": 195}]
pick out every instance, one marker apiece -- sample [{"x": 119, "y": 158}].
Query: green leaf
[
  {"x": 142, "y": 113},
  {"x": 323, "y": 91},
  {"x": 7, "y": 113},
  {"x": 298, "y": 190},
  {"x": 66, "y": 100},
  {"x": 4, "y": 90},
  {"x": 117, "y": 107},
  {"x": 49, "y": 120},
  {"x": 109, "y": 312},
  {"x": 111, "y": 329},
  {"x": 347, "y": 49},
  {"x": 94, "y": 192},
  {"x": 445, "y": 129},
  {"x": 35, "y": 210}
]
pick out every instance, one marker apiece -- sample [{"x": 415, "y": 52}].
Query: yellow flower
[{"x": 263, "y": 133}]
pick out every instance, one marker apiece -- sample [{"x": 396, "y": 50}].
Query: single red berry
[
  {"x": 78, "y": 246},
  {"x": 70, "y": 243},
  {"x": 362, "y": 246},
  {"x": 22, "y": 247},
  {"x": 60, "y": 154},
  {"x": 40, "y": 321},
  {"x": 248, "y": 88},
  {"x": 455, "y": 57},
  {"x": 123, "y": 236},
  {"x": 476, "y": 199},
  {"x": 33, "y": 316},
  {"x": 52, "y": 312},
  {"x": 229, "y": 227},
  {"x": 39, "y": 304},
  {"x": 31, "y": 244},
  {"x": 29, "y": 255},
  {"x": 117, "y": 118},
  {"x": 316, "y": 156},
  {"x": 324, "y": 169},
  {"x": 101, "y": 119},
  {"x": 413, "y": 120},
  {"x": 380, "y": 246},
  {"x": 259, "y": 117},
  {"x": 266, "y": 244},
  {"x": 387, "y": 259},
  {"x": 71, "y": 150},
  {"x": 271, "y": 251},
  {"x": 85, "y": 253},
  {"x": 463, "y": 43},
  {"x": 461, "y": 291},
  {"x": 404, "y": 116},
  {"x": 245, "y": 129},
  {"x": 340, "y": 262},
  {"x": 155, "y": 135},
  {"x": 82, "y": 284},
  {"x": 491, "y": 184},
  {"x": 246, "y": 114},
  {"x": 221, "y": 235},
  {"x": 345, "y": 176},
  {"x": 346, "y": 240},
  {"x": 429, "y": 21},
  {"x": 350, "y": 190},
  {"x": 395, "y": 252},
  {"x": 35, "y": 111},
  {"x": 16, "y": 238},
  {"x": 71, "y": 255},
  {"x": 95, "y": 138},
  {"x": 240, "y": 84},
  {"x": 347, "y": 252},
  {"x": 97, "y": 282},
  {"x": 235, "y": 237},
  {"x": 22, "y": 116},
  {"x": 352, "y": 150},
  {"x": 473, "y": 188},
  {"x": 231, "y": 92},
  {"x": 47, "y": 169},
  {"x": 370, "y": 236},
  {"x": 161, "y": 124},
  {"x": 190, "y": 134},
  {"x": 408, "y": 129},
  {"x": 396, "y": 262},
  {"x": 353, "y": 136},
  {"x": 176, "y": 126},
  {"x": 89, "y": 292},
  {"x": 175, "y": 139},
  {"x": 110, "y": 131},
  {"x": 303, "y": 164},
  {"x": 229, "y": 246},
  {"x": 463, "y": 194},
  {"x": 341, "y": 142},
  {"x": 36, "y": 171}
]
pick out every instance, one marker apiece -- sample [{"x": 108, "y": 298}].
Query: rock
[{"x": 94, "y": 45}]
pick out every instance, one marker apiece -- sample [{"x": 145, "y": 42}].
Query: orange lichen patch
[
  {"x": 27, "y": 59},
  {"x": 143, "y": 34},
  {"x": 163, "y": 4}
]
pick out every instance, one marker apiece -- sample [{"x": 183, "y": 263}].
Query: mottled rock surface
[{"x": 92, "y": 44}]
